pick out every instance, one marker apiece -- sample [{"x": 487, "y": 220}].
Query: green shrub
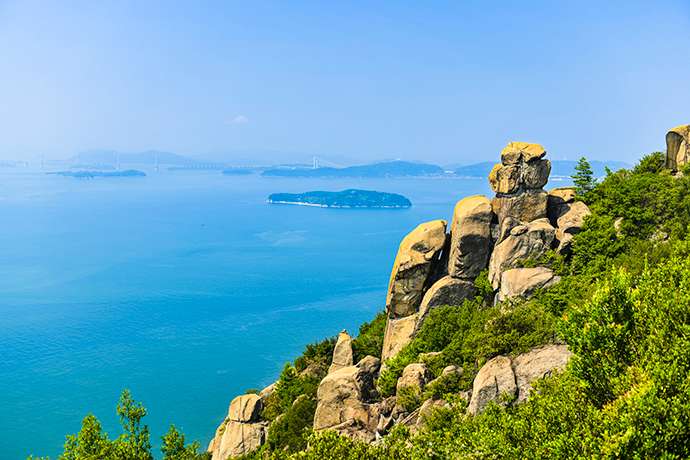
[{"x": 370, "y": 338}]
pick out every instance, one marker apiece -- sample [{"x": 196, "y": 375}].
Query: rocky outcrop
[
  {"x": 518, "y": 182},
  {"x": 566, "y": 215},
  {"x": 345, "y": 401},
  {"x": 495, "y": 381},
  {"x": 507, "y": 381},
  {"x": 447, "y": 291},
  {"x": 242, "y": 431},
  {"x": 417, "y": 256},
  {"x": 414, "y": 376},
  {"x": 678, "y": 147},
  {"x": 537, "y": 364},
  {"x": 342, "y": 353},
  {"x": 470, "y": 237},
  {"x": 418, "y": 261},
  {"x": 523, "y": 282},
  {"x": 524, "y": 242}
]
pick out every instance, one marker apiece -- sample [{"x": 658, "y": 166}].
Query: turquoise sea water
[{"x": 185, "y": 287}]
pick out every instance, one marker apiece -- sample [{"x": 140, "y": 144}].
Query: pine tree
[{"x": 584, "y": 176}]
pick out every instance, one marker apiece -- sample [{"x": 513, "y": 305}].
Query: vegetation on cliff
[{"x": 622, "y": 307}]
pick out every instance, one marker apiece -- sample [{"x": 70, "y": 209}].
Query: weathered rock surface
[
  {"x": 241, "y": 432},
  {"x": 677, "y": 147},
  {"x": 525, "y": 207},
  {"x": 344, "y": 401},
  {"x": 522, "y": 282},
  {"x": 446, "y": 291},
  {"x": 245, "y": 408},
  {"x": 524, "y": 242},
  {"x": 419, "y": 251},
  {"x": 399, "y": 332},
  {"x": 342, "y": 353},
  {"x": 567, "y": 215},
  {"x": 415, "y": 376},
  {"x": 494, "y": 381},
  {"x": 516, "y": 152},
  {"x": 507, "y": 381},
  {"x": 536, "y": 364},
  {"x": 470, "y": 237}
]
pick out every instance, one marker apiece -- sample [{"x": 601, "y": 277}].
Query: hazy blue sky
[{"x": 438, "y": 81}]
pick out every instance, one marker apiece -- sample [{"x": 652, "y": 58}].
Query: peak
[{"x": 516, "y": 152}]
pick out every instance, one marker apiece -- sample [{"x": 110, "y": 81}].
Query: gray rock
[
  {"x": 415, "y": 376},
  {"x": 522, "y": 244},
  {"x": 342, "y": 353},
  {"x": 537, "y": 364},
  {"x": 495, "y": 381},
  {"x": 470, "y": 237},
  {"x": 522, "y": 282},
  {"x": 417, "y": 257},
  {"x": 525, "y": 207}
]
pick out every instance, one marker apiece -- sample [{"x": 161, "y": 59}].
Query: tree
[
  {"x": 584, "y": 176},
  {"x": 134, "y": 443},
  {"x": 174, "y": 448}
]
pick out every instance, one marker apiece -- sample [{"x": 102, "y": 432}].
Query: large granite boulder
[
  {"x": 566, "y": 215},
  {"x": 345, "y": 401},
  {"x": 495, "y": 381},
  {"x": 516, "y": 152},
  {"x": 677, "y": 147},
  {"x": 522, "y": 282},
  {"x": 509, "y": 381},
  {"x": 537, "y": 364},
  {"x": 446, "y": 291},
  {"x": 525, "y": 206},
  {"x": 505, "y": 178},
  {"x": 342, "y": 353},
  {"x": 414, "y": 376},
  {"x": 524, "y": 242},
  {"x": 470, "y": 237},
  {"x": 399, "y": 332},
  {"x": 417, "y": 256},
  {"x": 242, "y": 431}
]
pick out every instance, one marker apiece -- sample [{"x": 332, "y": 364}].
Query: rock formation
[
  {"x": 342, "y": 353},
  {"x": 529, "y": 241},
  {"x": 566, "y": 215},
  {"x": 522, "y": 282},
  {"x": 504, "y": 380},
  {"x": 414, "y": 376},
  {"x": 518, "y": 182},
  {"x": 242, "y": 431},
  {"x": 418, "y": 259},
  {"x": 345, "y": 401},
  {"x": 677, "y": 147},
  {"x": 470, "y": 237}
]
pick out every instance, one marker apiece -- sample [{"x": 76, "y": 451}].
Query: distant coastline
[{"x": 94, "y": 174}]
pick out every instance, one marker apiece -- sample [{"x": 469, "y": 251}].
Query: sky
[{"x": 445, "y": 82}]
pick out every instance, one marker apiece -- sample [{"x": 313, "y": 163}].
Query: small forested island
[
  {"x": 93, "y": 174},
  {"x": 351, "y": 198}
]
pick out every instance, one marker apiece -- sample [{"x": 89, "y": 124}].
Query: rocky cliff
[{"x": 437, "y": 264}]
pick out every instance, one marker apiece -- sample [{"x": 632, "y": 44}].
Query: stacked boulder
[{"x": 522, "y": 222}]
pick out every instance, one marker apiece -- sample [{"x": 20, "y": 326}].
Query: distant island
[
  {"x": 93, "y": 174},
  {"x": 238, "y": 171},
  {"x": 351, "y": 198},
  {"x": 385, "y": 169}
]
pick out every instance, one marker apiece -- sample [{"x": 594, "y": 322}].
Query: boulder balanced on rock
[
  {"x": 470, "y": 237},
  {"x": 518, "y": 182}
]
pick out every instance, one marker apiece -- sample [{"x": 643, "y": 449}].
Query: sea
[{"x": 185, "y": 287}]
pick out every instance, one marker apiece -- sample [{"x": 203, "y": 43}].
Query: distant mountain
[
  {"x": 563, "y": 168},
  {"x": 93, "y": 174},
  {"x": 385, "y": 169},
  {"x": 351, "y": 198},
  {"x": 111, "y": 157}
]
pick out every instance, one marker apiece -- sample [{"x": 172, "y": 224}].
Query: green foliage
[
  {"x": 583, "y": 178},
  {"x": 370, "y": 338},
  {"x": 289, "y": 387},
  {"x": 409, "y": 398},
  {"x": 289, "y": 432},
  {"x": 316, "y": 355},
  {"x": 174, "y": 448},
  {"x": 91, "y": 443},
  {"x": 468, "y": 335}
]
